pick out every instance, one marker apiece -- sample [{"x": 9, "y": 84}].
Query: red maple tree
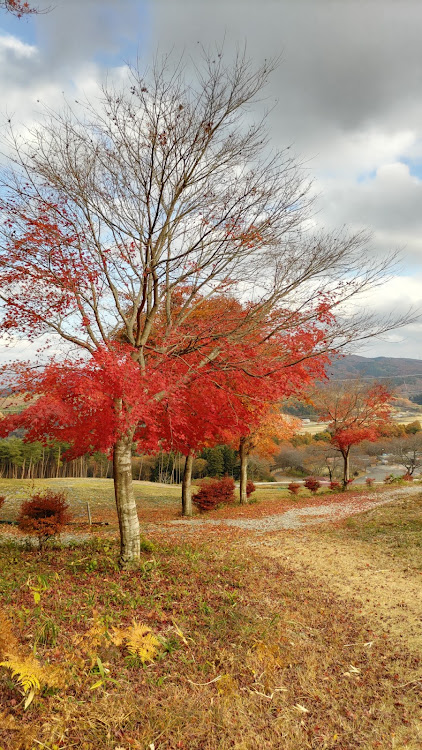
[
  {"x": 122, "y": 222},
  {"x": 355, "y": 411}
]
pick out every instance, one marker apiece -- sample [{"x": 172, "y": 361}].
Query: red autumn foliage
[
  {"x": 354, "y": 413},
  {"x": 250, "y": 487},
  {"x": 2, "y": 500},
  {"x": 44, "y": 515},
  {"x": 18, "y": 8},
  {"x": 187, "y": 398},
  {"x": 214, "y": 492},
  {"x": 369, "y": 481},
  {"x": 312, "y": 484},
  {"x": 407, "y": 477},
  {"x": 294, "y": 488},
  {"x": 334, "y": 485}
]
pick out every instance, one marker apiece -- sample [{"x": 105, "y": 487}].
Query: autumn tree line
[{"x": 306, "y": 454}]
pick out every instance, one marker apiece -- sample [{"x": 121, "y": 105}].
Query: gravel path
[
  {"x": 293, "y": 519},
  {"x": 298, "y": 518}
]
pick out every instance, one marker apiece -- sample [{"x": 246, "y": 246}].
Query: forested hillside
[{"x": 406, "y": 374}]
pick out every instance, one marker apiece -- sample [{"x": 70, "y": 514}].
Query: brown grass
[
  {"x": 256, "y": 655},
  {"x": 372, "y": 559}
]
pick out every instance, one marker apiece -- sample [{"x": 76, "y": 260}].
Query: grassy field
[
  {"x": 155, "y": 502},
  {"x": 252, "y": 652},
  {"x": 250, "y": 657},
  {"x": 153, "y": 499}
]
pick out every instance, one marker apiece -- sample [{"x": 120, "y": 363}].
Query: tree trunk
[
  {"x": 187, "y": 485},
  {"x": 243, "y": 471},
  {"x": 125, "y": 502},
  {"x": 346, "y": 469}
]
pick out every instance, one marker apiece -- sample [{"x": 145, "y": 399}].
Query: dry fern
[
  {"x": 31, "y": 675},
  {"x": 139, "y": 640},
  {"x": 95, "y": 636}
]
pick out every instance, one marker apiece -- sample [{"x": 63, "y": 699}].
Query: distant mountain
[{"x": 404, "y": 374}]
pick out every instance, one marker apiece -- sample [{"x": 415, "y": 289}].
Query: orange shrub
[
  {"x": 294, "y": 488},
  {"x": 44, "y": 515}
]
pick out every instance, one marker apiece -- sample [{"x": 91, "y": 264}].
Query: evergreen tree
[
  {"x": 230, "y": 459},
  {"x": 215, "y": 460}
]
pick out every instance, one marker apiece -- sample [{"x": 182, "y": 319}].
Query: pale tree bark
[
  {"x": 187, "y": 485},
  {"x": 125, "y": 502},
  {"x": 243, "y": 471},
  {"x": 346, "y": 468}
]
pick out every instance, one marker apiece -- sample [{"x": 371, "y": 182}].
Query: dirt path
[
  {"x": 294, "y": 518},
  {"x": 389, "y": 597}
]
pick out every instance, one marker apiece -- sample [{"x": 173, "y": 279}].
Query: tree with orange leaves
[
  {"x": 263, "y": 440},
  {"x": 355, "y": 412}
]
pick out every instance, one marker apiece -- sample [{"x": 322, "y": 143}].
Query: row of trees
[
  {"x": 156, "y": 235},
  {"x": 20, "y": 459},
  {"x": 321, "y": 459}
]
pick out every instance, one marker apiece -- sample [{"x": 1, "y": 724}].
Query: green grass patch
[
  {"x": 150, "y": 497},
  {"x": 395, "y": 529}
]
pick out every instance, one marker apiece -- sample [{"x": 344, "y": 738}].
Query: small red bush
[
  {"x": 250, "y": 487},
  {"x": 369, "y": 481},
  {"x": 312, "y": 484},
  {"x": 334, "y": 485},
  {"x": 214, "y": 492},
  {"x": 407, "y": 478},
  {"x": 2, "y": 499},
  {"x": 44, "y": 514},
  {"x": 294, "y": 488}
]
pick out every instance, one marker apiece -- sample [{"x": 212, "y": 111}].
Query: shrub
[
  {"x": 44, "y": 515},
  {"x": 312, "y": 484},
  {"x": 294, "y": 488},
  {"x": 391, "y": 479},
  {"x": 2, "y": 499},
  {"x": 407, "y": 478},
  {"x": 369, "y": 481},
  {"x": 334, "y": 485},
  {"x": 250, "y": 487},
  {"x": 214, "y": 492}
]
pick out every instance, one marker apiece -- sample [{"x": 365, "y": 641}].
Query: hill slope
[{"x": 404, "y": 374}]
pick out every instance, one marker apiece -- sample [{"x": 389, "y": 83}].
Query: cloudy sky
[{"x": 347, "y": 97}]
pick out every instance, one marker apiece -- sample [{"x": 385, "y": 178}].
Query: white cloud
[
  {"x": 11, "y": 44},
  {"x": 348, "y": 93}
]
